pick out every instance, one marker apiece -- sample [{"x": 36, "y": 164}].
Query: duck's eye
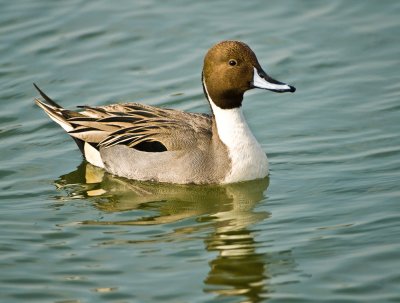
[{"x": 232, "y": 62}]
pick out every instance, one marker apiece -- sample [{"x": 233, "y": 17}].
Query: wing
[{"x": 139, "y": 126}]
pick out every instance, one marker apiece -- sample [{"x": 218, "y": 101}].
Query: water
[{"x": 323, "y": 228}]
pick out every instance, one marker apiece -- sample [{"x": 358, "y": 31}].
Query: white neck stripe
[{"x": 248, "y": 160}]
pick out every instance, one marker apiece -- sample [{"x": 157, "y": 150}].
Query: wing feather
[{"x": 132, "y": 124}]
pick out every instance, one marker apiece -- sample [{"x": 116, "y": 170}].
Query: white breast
[{"x": 248, "y": 160}]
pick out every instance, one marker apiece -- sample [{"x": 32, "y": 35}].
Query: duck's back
[{"x": 189, "y": 153}]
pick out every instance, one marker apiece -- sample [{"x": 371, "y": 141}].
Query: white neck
[{"x": 248, "y": 159}]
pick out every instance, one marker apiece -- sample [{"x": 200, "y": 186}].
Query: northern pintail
[{"x": 144, "y": 142}]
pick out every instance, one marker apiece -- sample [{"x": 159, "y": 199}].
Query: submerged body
[{"x": 143, "y": 142}]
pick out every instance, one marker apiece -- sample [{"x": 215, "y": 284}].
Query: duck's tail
[
  {"x": 55, "y": 111},
  {"x": 59, "y": 115}
]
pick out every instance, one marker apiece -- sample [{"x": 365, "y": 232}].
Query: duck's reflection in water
[{"x": 238, "y": 270}]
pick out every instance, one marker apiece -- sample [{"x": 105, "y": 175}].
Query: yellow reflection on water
[{"x": 237, "y": 270}]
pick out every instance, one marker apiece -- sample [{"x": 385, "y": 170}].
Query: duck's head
[{"x": 230, "y": 69}]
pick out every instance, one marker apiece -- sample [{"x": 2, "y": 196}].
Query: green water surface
[{"x": 325, "y": 225}]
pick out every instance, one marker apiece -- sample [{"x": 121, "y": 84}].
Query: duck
[{"x": 148, "y": 143}]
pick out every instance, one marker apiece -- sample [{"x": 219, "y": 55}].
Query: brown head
[{"x": 230, "y": 69}]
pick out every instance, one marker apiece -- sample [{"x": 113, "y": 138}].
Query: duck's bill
[{"x": 262, "y": 80}]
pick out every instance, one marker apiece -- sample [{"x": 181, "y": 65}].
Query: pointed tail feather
[
  {"x": 60, "y": 115},
  {"x": 55, "y": 114},
  {"x": 54, "y": 111},
  {"x": 47, "y": 98}
]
